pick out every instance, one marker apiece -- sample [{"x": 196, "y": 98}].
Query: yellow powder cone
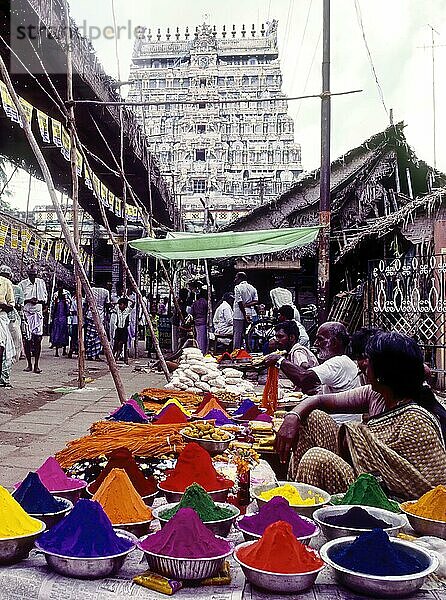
[
  {"x": 174, "y": 401},
  {"x": 430, "y": 506},
  {"x": 14, "y": 521},
  {"x": 290, "y": 493},
  {"x": 120, "y": 500}
]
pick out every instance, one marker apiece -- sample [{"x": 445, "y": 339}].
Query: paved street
[{"x": 35, "y": 421}]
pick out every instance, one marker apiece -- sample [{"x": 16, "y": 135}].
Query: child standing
[{"x": 122, "y": 329}]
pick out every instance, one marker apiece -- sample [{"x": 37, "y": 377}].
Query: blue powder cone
[
  {"x": 34, "y": 497},
  {"x": 85, "y": 533}
]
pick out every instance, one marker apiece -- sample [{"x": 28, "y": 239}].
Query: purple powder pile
[
  {"x": 264, "y": 417},
  {"x": 34, "y": 497},
  {"x": 356, "y": 518},
  {"x": 219, "y": 417},
  {"x": 185, "y": 536},
  {"x": 85, "y": 533},
  {"x": 244, "y": 406},
  {"x": 277, "y": 509},
  {"x": 129, "y": 414}
]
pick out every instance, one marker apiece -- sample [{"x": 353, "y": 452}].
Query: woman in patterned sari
[{"x": 402, "y": 441}]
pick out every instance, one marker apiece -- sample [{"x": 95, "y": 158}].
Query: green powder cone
[
  {"x": 197, "y": 498},
  {"x": 367, "y": 491}
]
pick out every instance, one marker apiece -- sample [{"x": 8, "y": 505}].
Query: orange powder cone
[
  {"x": 120, "y": 500},
  {"x": 212, "y": 404}
]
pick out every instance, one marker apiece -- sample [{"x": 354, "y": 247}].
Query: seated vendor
[
  {"x": 286, "y": 313},
  {"x": 402, "y": 441},
  {"x": 337, "y": 373}
]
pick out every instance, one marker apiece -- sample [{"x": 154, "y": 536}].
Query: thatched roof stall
[{"x": 98, "y": 126}]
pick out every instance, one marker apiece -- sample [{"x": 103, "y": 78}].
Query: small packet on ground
[{"x": 158, "y": 583}]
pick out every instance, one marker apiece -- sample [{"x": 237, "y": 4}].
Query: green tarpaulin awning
[{"x": 189, "y": 246}]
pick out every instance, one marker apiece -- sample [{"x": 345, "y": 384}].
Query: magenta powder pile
[
  {"x": 54, "y": 479},
  {"x": 185, "y": 536},
  {"x": 277, "y": 509},
  {"x": 218, "y": 416},
  {"x": 85, "y": 533}
]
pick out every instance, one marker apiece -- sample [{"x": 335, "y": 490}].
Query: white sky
[{"x": 396, "y": 31}]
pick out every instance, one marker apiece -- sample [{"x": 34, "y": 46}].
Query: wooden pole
[
  {"x": 68, "y": 237},
  {"x": 324, "y": 200},
  {"x": 208, "y": 283},
  {"x": 75, "y": 200},
  {"x": 124, "y": 197}
]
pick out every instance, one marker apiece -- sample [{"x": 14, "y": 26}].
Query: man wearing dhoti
[
  {"x": 36, "y": 297},
  {"x": 7, "y": 348}
]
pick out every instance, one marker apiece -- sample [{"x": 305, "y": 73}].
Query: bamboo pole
[
  {"x": 69, "y": 239},
  {"x": 75, "y": 200},
  {"x": 127, "y": 268}
]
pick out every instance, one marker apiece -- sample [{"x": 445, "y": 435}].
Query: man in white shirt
[
  {"x": 245, "y": 299},
  {"x": 336, "y": 373},
  {"x": 36, "y": 298},
  {"x": 7, "y": 348},
  {"x": 281, "y": 296},
  {"x": 224, "y": 318}
]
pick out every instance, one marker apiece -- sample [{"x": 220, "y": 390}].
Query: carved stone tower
[{"x": 218, "y": 122}]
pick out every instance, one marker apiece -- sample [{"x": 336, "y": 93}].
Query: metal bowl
[
  {"x": 248, "y": 536},
  {"x": 15, "y": 549},
  {"x": 303, "y": 490},
  {"x": 184, "y": 568},
  {"x": 211, "y": 446},
  {"x": 220, "y": 528},
  {"x": 332, "y": 532},
  {"x": 148, "y": 500},
  {"x": 72, "y": 494},
  {"x": 424, "y": 526},
  {"x": 378, "y": 586},
  {"x": 137, "y": 529},
  {"x": 88, "y": 568},
  {"x": 175, "y": 497},
  {"x": 277, "y": 582},
  {"x": 51, "y": 519}
]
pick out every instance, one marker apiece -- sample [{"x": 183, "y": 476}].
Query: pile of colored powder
[
  {"x": 13, "y": 519},
  {"x": 372, "y": 553},
  {"x": 177, "y": 404},
  {"x": 208, "y": 396},
  {"x": 185, "y": 536},
  {"x": 54, "y": 479},
  {"x": 356, "y": 518},
  {"x": 264, "y": 417},
  {"x": 85, "y": 533},
  {"x": 120, "y": 500},
  {"x": 122, "y": 458},
  {"x": 251, "y": 414},
  {"x": 277, "y": 509},
  {"x": 290, "y": 493},
  {"x": 367, "y": 491},
  {"x": 34, "y": 498},
  {"x": 128, "y": 414},
  {"x": 170, "y": 414},
  {"x": 132, "y": 402},
  {"x": 430, "y": 506},
  {"x": 244, "y": 406},
  {"x": 278, "y": 551},
  {"x": 211, "y": 405},
  {"x": 218, "y": 416},
  {"x": 197, "y": 498},
  {"x": 194, "y": 465}
]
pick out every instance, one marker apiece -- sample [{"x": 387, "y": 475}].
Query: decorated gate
[{"x": 408, "y": 295}]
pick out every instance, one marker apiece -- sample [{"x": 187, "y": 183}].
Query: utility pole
[
  {"x": 324, "y": 200},
  {"x": 434, "y": 111}
]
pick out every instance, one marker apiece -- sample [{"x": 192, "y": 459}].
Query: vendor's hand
[
  {"x": 271, "y": 359},
  {"x": 287, "y": 436}
]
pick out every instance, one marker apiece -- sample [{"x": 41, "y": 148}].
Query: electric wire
[
  {"x": 301, "y": 45},
  {"x": 369, "y": 54},
  {"x": 310, "y": 69}
]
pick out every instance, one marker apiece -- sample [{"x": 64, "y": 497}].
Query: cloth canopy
[{"x": 188, "y": 246}]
